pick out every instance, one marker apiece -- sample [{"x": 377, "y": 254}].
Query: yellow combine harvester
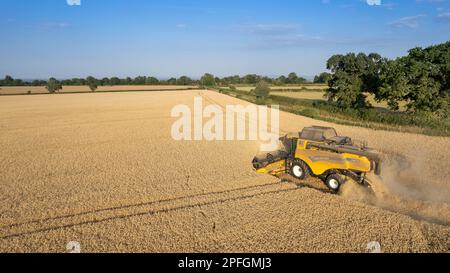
[{"x": 320, "y": 152}]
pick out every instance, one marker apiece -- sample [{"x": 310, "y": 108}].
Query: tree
[
  {"x": 262, "y": 90},
  {"x": 301, "y": 80},
  {"x": 105, "y": 82},
  {"x": 8, "y": 81},
  {"x": 267, "y": 79},
  {"x": 322, "y": 78},
  {"x": 231, "y": 80},
  {"x": 36, "y": 83},
  {"x": 92, "y": 83},
  {"x": 281, "y": 80},
  {"x": 251, "y": 79},
  {"x": 172, "y": 81},
  {"x": 184, "y": 80},
  {"x": 18, "y": 82},
  {"x": 346, "y": 90},
  {"x": 208, "y": 80},
  {"x": 218, "y": 81},
  {"x": 151, "y": 81},
  {"x": 139, "y": 80},
  {"x": 127, "y": 81},
  {"x": 352, "y": 77},
  {"x": 292, "y": 78},
  {"x": 78, "y": 81},
  {"x": 114, "y": 81},
  {"x": 422, "y": 79},
  {"x": 53, "y": 86}
]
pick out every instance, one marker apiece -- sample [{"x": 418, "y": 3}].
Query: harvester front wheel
[
  {"x": 300, "y": 170},
  {"x": 334, "y": 182}
]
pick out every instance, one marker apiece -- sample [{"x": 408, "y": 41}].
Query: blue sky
[{"x": 166, "y": 38}]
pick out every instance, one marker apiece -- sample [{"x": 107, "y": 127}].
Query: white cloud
[
  {"x": 443, "y": 17},
  {"x": 408, "y": 22},
  {"x": 269, "y": 29},
  {"x": 374, "y": 2},
  {"x": 431, "y": 1},
  {"x": 73, "y": 2}
]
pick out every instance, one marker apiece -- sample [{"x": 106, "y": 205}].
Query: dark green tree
[
  {"x": 92, "y": 83},
  {"x": 8, "y": 81},
  {"x": 322, "y": 78},
  {"x": 353, "y": 76},
  {"x": 36, "y": 83},
  {"x": 422, "y": 79},
  {"x": 140, "y": 80},
  {"x": 208, "y": 80},
  {"x": 172, "y": 81},
  {"x": 292, "y": 78},
  {"x": 114, "y": 81},
  {"x": 251, "y": 79},
  {"x": 184, "y": 80},
  {"x": 151, "y": 81},
  {"x": 53, "y": 86},
  {"x": 262, "y": 90},
  {"x": 231, "y": 80},
  {"x": 281, "y": 80},
  {"x": 127, "y": 81},
  {"x": 105, "y": 81}
]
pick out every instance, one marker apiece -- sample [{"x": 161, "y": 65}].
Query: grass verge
[{"x": 374, "y": 118}]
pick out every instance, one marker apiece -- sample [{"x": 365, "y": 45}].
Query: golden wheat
[{"x": 103, "y": 170}]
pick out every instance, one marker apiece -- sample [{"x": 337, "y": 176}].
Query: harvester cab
[{"x": 321, "y": 152}]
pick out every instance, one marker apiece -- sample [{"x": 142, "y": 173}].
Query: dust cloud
[{"x": 405, "y": 187}]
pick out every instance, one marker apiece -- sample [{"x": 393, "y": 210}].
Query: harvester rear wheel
[
  {"x": 334, "y": 182},
  {"x": 300, "y": 170}
]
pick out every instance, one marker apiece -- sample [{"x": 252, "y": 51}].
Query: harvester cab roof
[
  {"x": 327, "y": 135},
  {"x": 317, "y": 133}
]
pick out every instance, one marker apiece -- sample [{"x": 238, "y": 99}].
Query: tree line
[
  {"x": 140, "y": 80},
  {"x": 206, "y": 80},
  {"x": 420, "y": 80},
  {"x": 291, "y": 78}
]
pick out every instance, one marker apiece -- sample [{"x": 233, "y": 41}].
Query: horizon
[
  {"x": 308, "y": 78},
  {"x": 74, "y": 39}
]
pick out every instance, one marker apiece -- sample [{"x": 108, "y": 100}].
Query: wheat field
[
  {"x": 285, "y": 88},
  {"x": 102, "y": 169}
]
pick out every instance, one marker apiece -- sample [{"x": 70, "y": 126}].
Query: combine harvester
[{"x": 320, "y": 152}]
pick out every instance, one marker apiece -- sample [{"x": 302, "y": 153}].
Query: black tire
[
  {"x": 334, "y": 182},
  {"x": 300, "y": 170}
]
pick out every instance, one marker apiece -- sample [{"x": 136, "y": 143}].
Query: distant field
[
  {"x": 303, "y": 86},
  {"x": 16, "y": 90},
  {"x": 288, "y": 87},
  {"x": 307, "y": 95},
  {"x": 311, "y": 95}
]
